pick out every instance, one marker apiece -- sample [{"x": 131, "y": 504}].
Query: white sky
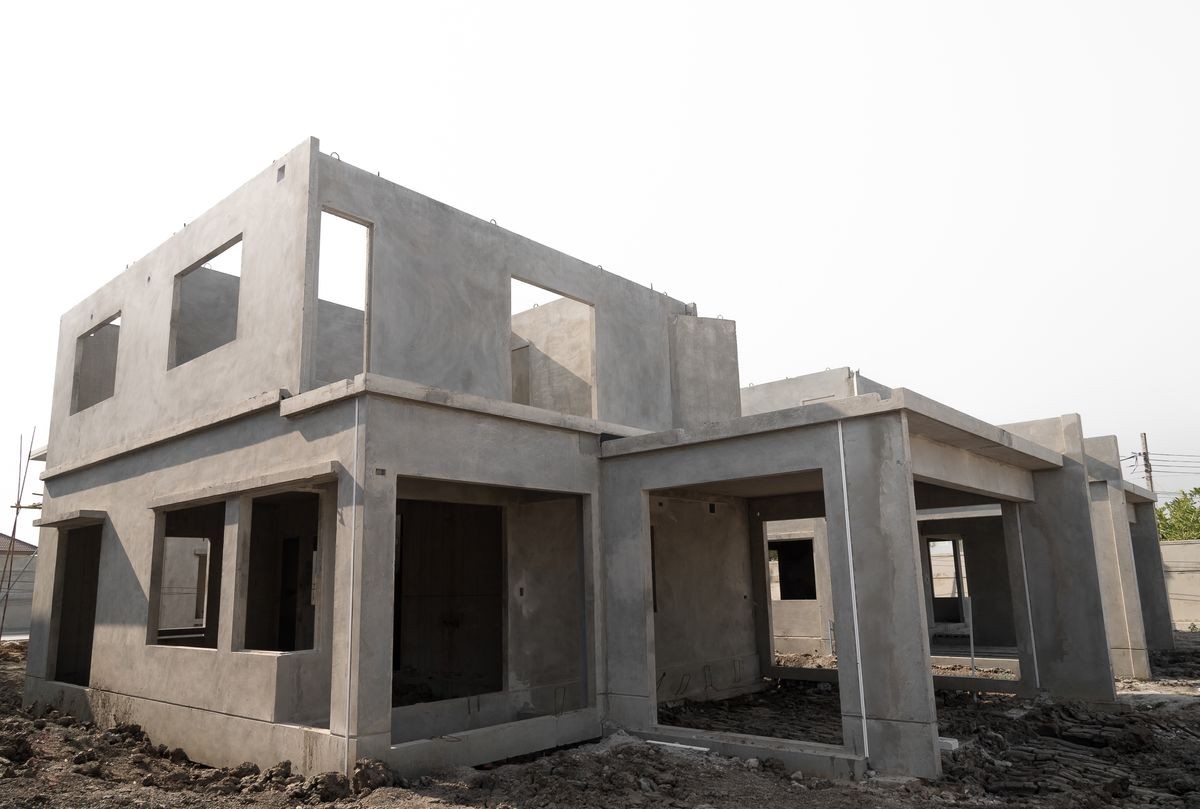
[{"x": 994, "y": 204}]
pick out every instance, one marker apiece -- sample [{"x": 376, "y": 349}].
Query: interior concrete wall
[
  {"x": 1181, "y": 561},
  {"x": 95, "y": 364},
  {"x": 560, "y": 357},
  {"x": 546, "y": 623},
  {"x": 704, "y": 638},
  {"x": 804, "y": 627},
  {"x": 177, "y": 602},
  {"x": 339, "y": 342},
  {"x": 148, "y": 397},
  {"x": 440, "y": 300},
  {"x": 986, "y": 566},
  {"x": 834, "y": 383},
  {"x": 704, "y": 370},
  {"x": 205, "y": 313}
]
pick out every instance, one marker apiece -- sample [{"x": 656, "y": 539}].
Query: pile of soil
[
  {"x": 1013, "y": 753},
  {"x": 788, "y": 709}
]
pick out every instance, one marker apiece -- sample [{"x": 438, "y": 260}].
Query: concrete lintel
[
  {"x": 39, "y": 453},
  {"x": 958, "y": 513},
  {"x": 71, "y": 519},
  {"x": 254, "y": 404},
  {"x": 368, "y": 383},
  {"x": 946, "y": 465},
  {"x": 823, "y": 760},
  {"x": 294, "y": 476}
]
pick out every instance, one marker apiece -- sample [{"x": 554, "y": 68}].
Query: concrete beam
[{"x": 956, "y": 468}]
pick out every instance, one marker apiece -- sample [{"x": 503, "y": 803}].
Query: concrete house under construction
[{"x": 314, "y": 491}]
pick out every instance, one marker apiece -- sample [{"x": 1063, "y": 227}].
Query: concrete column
[
  {"x": 1151, "y": 579},
  {"x": 361, "y": 638},
  {"x": 1018, "y": 578},
  {"x": 879, "y": 596},
  {"x": 231, "y": 632},
  {"x": 1114, "y": 556},
  {"x": 824, "y": 588},
  {"x": 1066, "y": 603},
  {"x": 629, "y": 695},
  {"x": 43, "y": 627}
]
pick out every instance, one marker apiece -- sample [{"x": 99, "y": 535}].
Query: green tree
[{"x": 1180, "y": 518}]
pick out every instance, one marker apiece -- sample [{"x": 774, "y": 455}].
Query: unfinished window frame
[
  {"x": 79, "y": 362},
  {"x": 177, "y": 281},
  {"x": 214, "y": 564},
  {"x": 324, "y": 529},
  {"x": 594, "y": 353}
]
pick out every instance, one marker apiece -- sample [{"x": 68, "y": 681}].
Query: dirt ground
[{"x": 1144, "y": 752}]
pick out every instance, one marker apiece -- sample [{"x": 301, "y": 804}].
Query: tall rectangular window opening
[
  {"x": 552, "y": 351},
  {"x": 947, "y": 578},
  {"x": 281, "y": 594},
  {"x": 186, "y": 581},
  {"x": 342, "y": 271},
  {"x": 96, "y": 364},
  {"x": 204, "y": 310}
]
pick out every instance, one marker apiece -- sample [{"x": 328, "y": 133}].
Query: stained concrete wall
[
  {"x": 1181, "y": 560},
  {"x": 440, "y": 300},
  {"x": 704, "y": 370},
  {"x": 148, "y": 397},
  {"x": 835, "y": 383},
  {"x": 559, "y": 359},
  {"x": 704, "y": 621}
]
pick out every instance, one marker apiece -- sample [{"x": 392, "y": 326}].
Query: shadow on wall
[{"x": 541, "y": 381}]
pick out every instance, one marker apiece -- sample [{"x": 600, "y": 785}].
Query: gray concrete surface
[{"x": 440, "y": 534}]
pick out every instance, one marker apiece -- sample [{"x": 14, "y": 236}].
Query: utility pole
[{"x": 1146, "y": 462}]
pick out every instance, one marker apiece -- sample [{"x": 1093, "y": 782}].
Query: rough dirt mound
[
  {"x": 1073, "y": 751},
  {"x": 1014, "y": 753},
  {"x": 791, "y": 710}
]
